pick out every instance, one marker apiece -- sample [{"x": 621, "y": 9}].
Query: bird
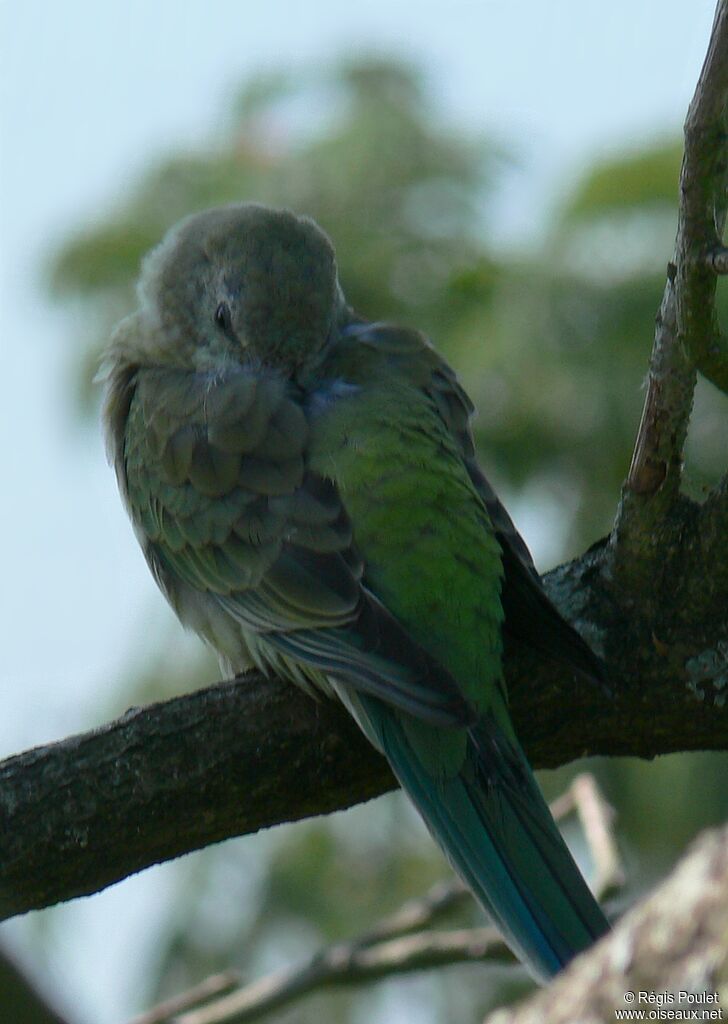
[{"x": 304, "y": 487}]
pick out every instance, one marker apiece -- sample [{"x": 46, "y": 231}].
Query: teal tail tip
[
  {"x": 543, "y": 904},
  {"x": 495, "y": 828}
]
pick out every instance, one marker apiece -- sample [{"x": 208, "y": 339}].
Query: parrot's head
[{"x": 239, "y": 283}]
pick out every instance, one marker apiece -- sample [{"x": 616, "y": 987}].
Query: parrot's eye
[{"x": 223, "y": 319}]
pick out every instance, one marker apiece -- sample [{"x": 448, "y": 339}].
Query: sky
[{"x": 89, "y": 94}]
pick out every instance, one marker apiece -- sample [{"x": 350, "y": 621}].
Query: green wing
[
  {"x": 215, "y": 472},
  {"x": 531, "y": 620},
  {"x": 530, "y": 617}
]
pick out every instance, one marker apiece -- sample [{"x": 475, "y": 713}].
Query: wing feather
[
  {"x": 216, "y": 475},
  {"x": 531, "y": 619}
]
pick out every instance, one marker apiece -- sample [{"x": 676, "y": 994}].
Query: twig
[
  {"x": 419, "y": 913},
  {"x": 687, "y": 336},
  {"x": 215, "y": 985},
  {"x": 597, "y": 819},
  {"x": 346, "y": 964},
  {"x": 391, "y": 947}
]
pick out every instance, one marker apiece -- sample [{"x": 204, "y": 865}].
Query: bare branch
[
  {"x": 163, "y": 780},
  {"x": 215, "y": 985},
  {"x": 418, "y": 914},
  {"x": 160, "y": 781},
  {"x": 347, "y": 964},
  {"x": 687, "y": 336},
  {"x": 703, "y": 204},
  {"x": 597, "y": 819},
  {"x": 390, "y": 947}
]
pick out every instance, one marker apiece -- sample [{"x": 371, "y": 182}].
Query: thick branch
[{"x": 78, "y": 815}]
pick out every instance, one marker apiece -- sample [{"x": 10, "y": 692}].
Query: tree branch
[
  {"x": 704, "y": 200},
  {"x": 398, "y": 944},
  {"x": 672, "y": 943},
  {"x": 350, "y": 964},
  {"x": 597, "y": 819},
  {"x": 78, "y": 815},
  {"x": 687, "y": 335}
]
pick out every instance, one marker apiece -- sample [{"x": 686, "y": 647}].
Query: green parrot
[{"x": 304, "y": 487}]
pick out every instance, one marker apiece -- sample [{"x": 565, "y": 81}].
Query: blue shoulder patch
[{"x": 328, "y": 392}]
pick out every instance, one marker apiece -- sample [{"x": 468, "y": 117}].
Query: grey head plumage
[{"x": 241, "y": 282}]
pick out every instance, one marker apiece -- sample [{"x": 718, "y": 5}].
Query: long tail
[{"x": 496, "y": 830}]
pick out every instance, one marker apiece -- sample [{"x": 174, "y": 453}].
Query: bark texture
[{"x": 674, "y": 943}]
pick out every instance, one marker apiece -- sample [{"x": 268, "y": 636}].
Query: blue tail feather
[{"x": 495, "y": 828}]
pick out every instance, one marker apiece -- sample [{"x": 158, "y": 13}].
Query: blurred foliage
[
  {"x": 645, "y": 180},
  {"x": 552, "y": 346}
]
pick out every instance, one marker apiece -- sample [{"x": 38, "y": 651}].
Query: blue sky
[{"x": 90, "y": 92}]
